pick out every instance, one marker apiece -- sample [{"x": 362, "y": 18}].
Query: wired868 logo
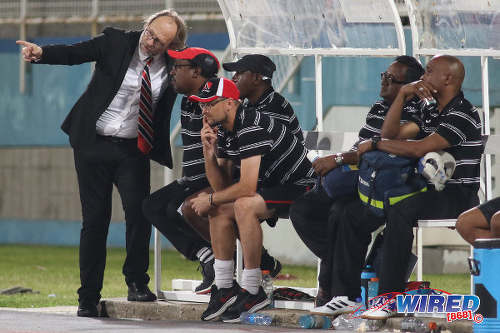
[{"x": 456, "y": 307}]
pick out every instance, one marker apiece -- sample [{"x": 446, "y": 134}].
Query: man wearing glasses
[
  {"x": 309, "y": 214},
  {"x": 274, "y": 171},
  {"x": 120, "y": 122}
]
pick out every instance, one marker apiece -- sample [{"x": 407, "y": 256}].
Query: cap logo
[{"x": 207, "y": 86}]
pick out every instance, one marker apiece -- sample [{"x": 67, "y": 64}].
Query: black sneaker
[
  {"x": 207, "y": 270},
  {"x": 270, "y": 263},
  {"x": 245, "y": 302},
  {"x": 220, "y": 300}
]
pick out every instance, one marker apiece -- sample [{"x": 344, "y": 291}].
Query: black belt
[{"x": 116, "y": 139}]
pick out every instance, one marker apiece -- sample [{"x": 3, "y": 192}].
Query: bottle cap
[
  {"x": 374, "y": 279},
  {"x": 266, "y": 272}
]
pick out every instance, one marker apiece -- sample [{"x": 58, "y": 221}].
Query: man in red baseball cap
[
  {"x": 192, "y": 68},
  {"x": 274, "y": 171}
]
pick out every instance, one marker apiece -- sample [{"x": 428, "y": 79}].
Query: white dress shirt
[{"x": 120, "y": 118}]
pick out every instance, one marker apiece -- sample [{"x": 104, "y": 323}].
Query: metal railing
[{"x": 39, "y": 11}]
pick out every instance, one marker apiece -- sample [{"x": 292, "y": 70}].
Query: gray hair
[{"x": 179, "y": 41}]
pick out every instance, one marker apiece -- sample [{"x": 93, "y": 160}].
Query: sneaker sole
[
  {"x": 378, "y": 317},
  {"x": 221, "y": 310},
  {"x": 255, "y": 308},
  {"x": 333, "y": 313},
  {"x": 203, "y": 291}
]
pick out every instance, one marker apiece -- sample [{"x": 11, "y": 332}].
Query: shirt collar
[
  {"x": 457, "y": 100},
  {"x": 262, "y": 98}
]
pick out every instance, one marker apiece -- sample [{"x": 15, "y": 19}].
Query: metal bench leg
[
  {"x": 420, "y": 256},
  {"x": 157, "y": 262}
]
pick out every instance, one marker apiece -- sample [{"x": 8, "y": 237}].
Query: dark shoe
[
  {"x": 87, "y": 309},
  {"x": 245, "y": 302},
  {"x": 322, "y": 297},
  {"x": 140, "y": 293},
  {"x": 270, "y": 263},
  {"x": 220, "y": 300},
  {"x": 207, "y": 270}
]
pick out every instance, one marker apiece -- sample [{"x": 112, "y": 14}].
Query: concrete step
[{"x": 175, "y": 310}]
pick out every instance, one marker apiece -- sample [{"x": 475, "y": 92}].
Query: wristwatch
[
  {"x": 339, "y": 159},
  {"x": 375, "y": 139}
]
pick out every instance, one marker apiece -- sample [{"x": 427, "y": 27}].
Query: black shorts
[
  {"x": 489, "y": 208},
  {"x": 281, "y": 197}
]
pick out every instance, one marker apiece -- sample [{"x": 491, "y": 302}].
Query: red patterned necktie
[{"x": 145, "y": 132}]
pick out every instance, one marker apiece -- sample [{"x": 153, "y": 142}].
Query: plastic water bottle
[
  {"x": 311, "y": 321},
  {"x": 348, "y": 322},
  {"x": 411, "y": 324},
  {"x": 256, "y": 319},
  {"x": 372, "y": 289},
  {"x": 267, "y": 285},
  {"x": 366, "y": 275}
]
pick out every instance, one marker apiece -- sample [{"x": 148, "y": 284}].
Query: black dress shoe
[
  {"x": 140, "y": 293},
  {"x": 86, "y": 309}
]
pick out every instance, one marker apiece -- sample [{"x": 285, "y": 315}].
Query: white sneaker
[
  {"x": 337, "y": 305},
  {"x": 381, "y": 308}
]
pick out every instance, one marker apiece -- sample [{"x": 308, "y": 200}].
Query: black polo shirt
[
  {"x": 460, "y": 125},
  {"x": 193, "y": 162},
  {"x": 376, "y": 116},
  {"x": 284, "y": 158},
  {"x": 274, "y": 105}
]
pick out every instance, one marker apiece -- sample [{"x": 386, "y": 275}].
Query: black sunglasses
[{"x": 390, "y": 78}]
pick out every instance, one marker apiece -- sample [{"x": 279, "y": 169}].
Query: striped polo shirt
[
  {"x": 274, "y": 105},
  {"x": 376, "y": 116},
  {"x": 193, "y": 162},
  {"x": 460, "y": 125},
  {"x": 284, "y": 158}
]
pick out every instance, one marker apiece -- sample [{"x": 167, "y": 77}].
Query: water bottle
[
  {"x": 366, "y": 275},
  {"x": 311, "y": 321},
  {"x": 348, "y": 322},
  {"x": 411, "y": 324},
  {"x": 256, "y": 319},
  {"x": 267, "y": 285},
  {"x": 372, "y": 289}
]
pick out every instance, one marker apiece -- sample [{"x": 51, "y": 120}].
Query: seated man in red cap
[{"x": 273, "y": 168}]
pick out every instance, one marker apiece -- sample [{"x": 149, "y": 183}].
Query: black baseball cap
[
  {"x": 215, "y": 88},
  {"x": 198, "y": 56},
  {"x": 255, "y": 63}
]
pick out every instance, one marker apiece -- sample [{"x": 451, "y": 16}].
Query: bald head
[{"x": 452, "y": 66}]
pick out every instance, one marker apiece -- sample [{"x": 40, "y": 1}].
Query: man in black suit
[{"x": 120, "y": 121}]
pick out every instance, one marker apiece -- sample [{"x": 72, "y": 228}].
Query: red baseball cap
[
  {"x": 214, "y": 88},
  {"x": 199, "y": 56}
]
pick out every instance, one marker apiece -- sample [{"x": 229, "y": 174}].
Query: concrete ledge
[{"x": 174, "y": 310}]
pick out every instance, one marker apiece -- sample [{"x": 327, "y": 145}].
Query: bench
[{"x": 326, "y": 143}]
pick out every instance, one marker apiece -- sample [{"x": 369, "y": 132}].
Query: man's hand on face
[
  {"x": 323, "y": 165},
  {"x": 208, "y": 138},
  {"x": 30, "y": 51},
  {"x": 420, "y": 88},
  {"x": 201, "y": 203}
]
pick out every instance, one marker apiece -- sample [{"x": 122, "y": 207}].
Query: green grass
[{"x": 54, "y": 271}]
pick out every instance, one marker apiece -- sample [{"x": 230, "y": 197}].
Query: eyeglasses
[
  {"x": 177, "y": 66},
  {"x": 390, "y": 78},
  {"x": 149, "y": 34},
  {"x": 209, "y": 105}
]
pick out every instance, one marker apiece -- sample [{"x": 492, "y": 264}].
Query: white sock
[
  {"x": 224, "y": 271},
  {"x": 251, "y": 280},
  {"x": 205, "y": 254}
]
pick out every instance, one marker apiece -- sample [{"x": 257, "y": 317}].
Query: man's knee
[
  {"x": 245, "y": 206},
  {"x": 462, "y": 225}
]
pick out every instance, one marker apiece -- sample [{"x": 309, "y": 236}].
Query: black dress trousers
[{"x": 112, "y": 161}]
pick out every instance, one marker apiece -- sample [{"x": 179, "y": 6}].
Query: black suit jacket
[{"x": 112, "y": 51}]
